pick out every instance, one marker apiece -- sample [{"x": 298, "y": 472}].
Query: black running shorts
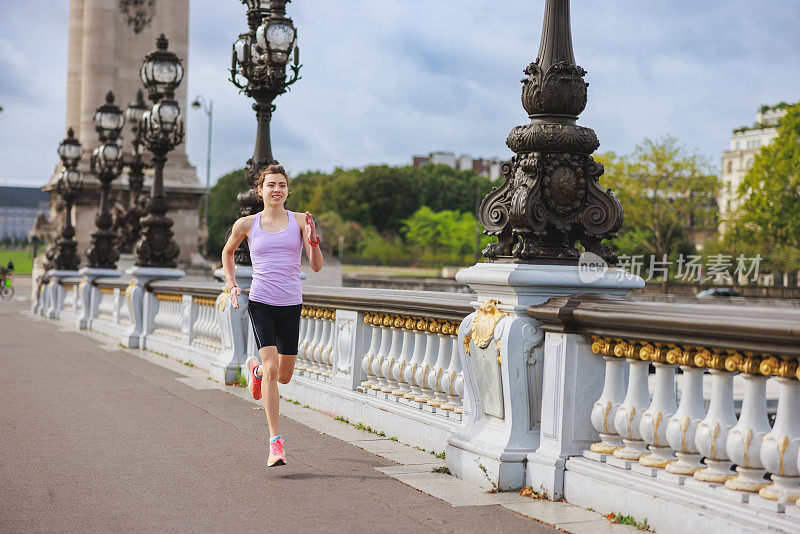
[{"x": 277, "y": 326}]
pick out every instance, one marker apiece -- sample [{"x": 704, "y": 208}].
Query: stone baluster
[
  {"x": 410, "y": 370},
  {"x": 383, "y": 352},
  {"x": 779, "y": 450},
  {"x": 191, "y": 319},
  {"x": 327, "y": 347},
  {"x": 301, "y": 339},
  {"x": 404, "y": 361},
  {"x": 431, "y": 353},
  {"x": 452, "y": 372},
  {"x": 682, "y": 426},
  {"x": 304, "y": 337},
  {"x": 637, "y": 399},
  {"x": 394, "y": 354},
  {"x": 442, "y": 361},
  {"x": 611, "y": 398},
  {"x": 311, "y": 351},
  {"x": 373, "y": 320},
  {"x": 744, "y": 439},
  {"x": 653, "y": 425},
  {"x": 319, "y": 346},
  {"x": 712, "y": 432}
]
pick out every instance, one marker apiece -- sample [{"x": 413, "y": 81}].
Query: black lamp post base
[
  {"x": 63, "y": 255},
  {"x": 102, "y": 253},
  {"x": 156, "y": 248}
]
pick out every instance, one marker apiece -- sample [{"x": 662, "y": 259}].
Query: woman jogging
[{"x": 276, "y": 238}]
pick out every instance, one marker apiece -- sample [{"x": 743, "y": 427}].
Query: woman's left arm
[{"x": 311, "y": 240}]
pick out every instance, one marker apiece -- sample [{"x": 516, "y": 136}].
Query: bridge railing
[
  {"x": 650, "y": 409},
  {"x": 679, "y": 398},
  {"x": 388, "y": 359}
]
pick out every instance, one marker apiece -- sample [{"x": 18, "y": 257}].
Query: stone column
[
  {"x": 501, "y": 352},
  {"x": 98, "y": 60},
  {"x": 74, "y": 63}
]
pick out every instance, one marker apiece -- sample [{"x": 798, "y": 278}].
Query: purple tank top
[{"x": 276, "y": 263}]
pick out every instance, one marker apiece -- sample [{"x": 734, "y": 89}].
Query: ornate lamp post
[
  {"x": 551, "y": 196},
  {"x": 129, "y": 226},
  {"x": 162, "y": 130},
  {"x": 63, "y": 254},
  {"x": 258, "y": 69},
  {"x": 106, "y": 164}
]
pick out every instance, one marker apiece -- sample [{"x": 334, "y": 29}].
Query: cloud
[{"x": 385, "y": 79}]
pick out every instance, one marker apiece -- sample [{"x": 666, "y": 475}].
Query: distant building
[
  {"x": 745, "y": 144},
  {"x": 19, "y": 207},
  {"x": 488, "y": 168}
]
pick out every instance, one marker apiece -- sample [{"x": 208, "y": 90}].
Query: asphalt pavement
[{"x": 94, "y": 438}]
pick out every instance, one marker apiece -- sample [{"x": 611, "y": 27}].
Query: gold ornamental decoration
[
  {"x": 752, "y": 363},
  {"x": 484, "y": 323}
]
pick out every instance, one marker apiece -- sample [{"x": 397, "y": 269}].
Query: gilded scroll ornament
[{"x": 484, "y": 323}]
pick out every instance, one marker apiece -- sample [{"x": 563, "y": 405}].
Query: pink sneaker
[
  {"x": 254, "y": 383},
  {"x": 276, "y": 455}
]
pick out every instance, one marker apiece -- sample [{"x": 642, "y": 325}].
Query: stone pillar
[
  {"x": 572, "y": 380},
  {"x": 349, "y": 333},
  {"x": 87, "y": 293},
  {"x": 501, "y": 352},
  {"x": 74, "y": 63},
  {"x": 142, "y": 303},
  {"x": 98, "y": 61}
]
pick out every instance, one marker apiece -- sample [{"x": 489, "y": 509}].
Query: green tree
[
  {"x": 222, "y": 209},
  {"x": 768, "y": 213},
  {"x": 667, "y": 193},
  {"x": 446, "y": 236}
]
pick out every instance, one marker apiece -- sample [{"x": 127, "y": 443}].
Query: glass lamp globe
[
  {"x": 242, "y": 49},
  {"x": 161, "y": 72},
  {"x": 70, "y": 150},
  {"x": 71, "y": 180},
  {"x": 166, "y": 114},
  {"x": 135, "y": 111},
  {"x": 109, "y": 155},
  {"x": 108, "y": 119},
  {"x": 277, "y": 38}
]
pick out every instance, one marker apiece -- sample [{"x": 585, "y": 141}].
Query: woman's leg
[
  {"x": 286, "y": 367},
  {"x": 268, "y": 370}
]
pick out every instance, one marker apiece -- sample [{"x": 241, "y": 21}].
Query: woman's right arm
[{"x": 239, "y": 232}]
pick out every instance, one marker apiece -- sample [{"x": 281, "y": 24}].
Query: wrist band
[{"x": 314, "y": 243}]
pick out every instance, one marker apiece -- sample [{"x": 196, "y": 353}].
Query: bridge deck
[{"x": 95, "y": 438}]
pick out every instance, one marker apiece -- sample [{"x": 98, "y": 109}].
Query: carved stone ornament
[
  {"x": 551, "y": 196},
  {"x": 138, "y": 14}
]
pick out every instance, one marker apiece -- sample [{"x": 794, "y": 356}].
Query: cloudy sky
[{"x": 386, "y": 79}]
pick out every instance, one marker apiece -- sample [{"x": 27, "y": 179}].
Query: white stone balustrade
[
  {"x": 653, "y": 426},
  {"x": 373, "y": 320},
  {"x": 106, "y": 306},
  {"x": 168, "y": 319},
  {"x": 432, "y": 330},
  {"x": 779, "y": 449},
  {"x": 712, "y": 432},
  {"x": 682, "y": 426},
  {"x": 205, "y": 326},
  {"x": 604, "y": 410},
  {"x": 637, "y": 400},
  {"x": 315, "y": 347}
]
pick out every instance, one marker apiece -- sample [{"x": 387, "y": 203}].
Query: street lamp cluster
[
  {"x": 63, "y": 255},
  {"x": 158, "y": 129},
  {"x": 258, "y": 68}
]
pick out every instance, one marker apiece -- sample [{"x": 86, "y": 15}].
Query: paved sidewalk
[{"x": 96, "y": 438}]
